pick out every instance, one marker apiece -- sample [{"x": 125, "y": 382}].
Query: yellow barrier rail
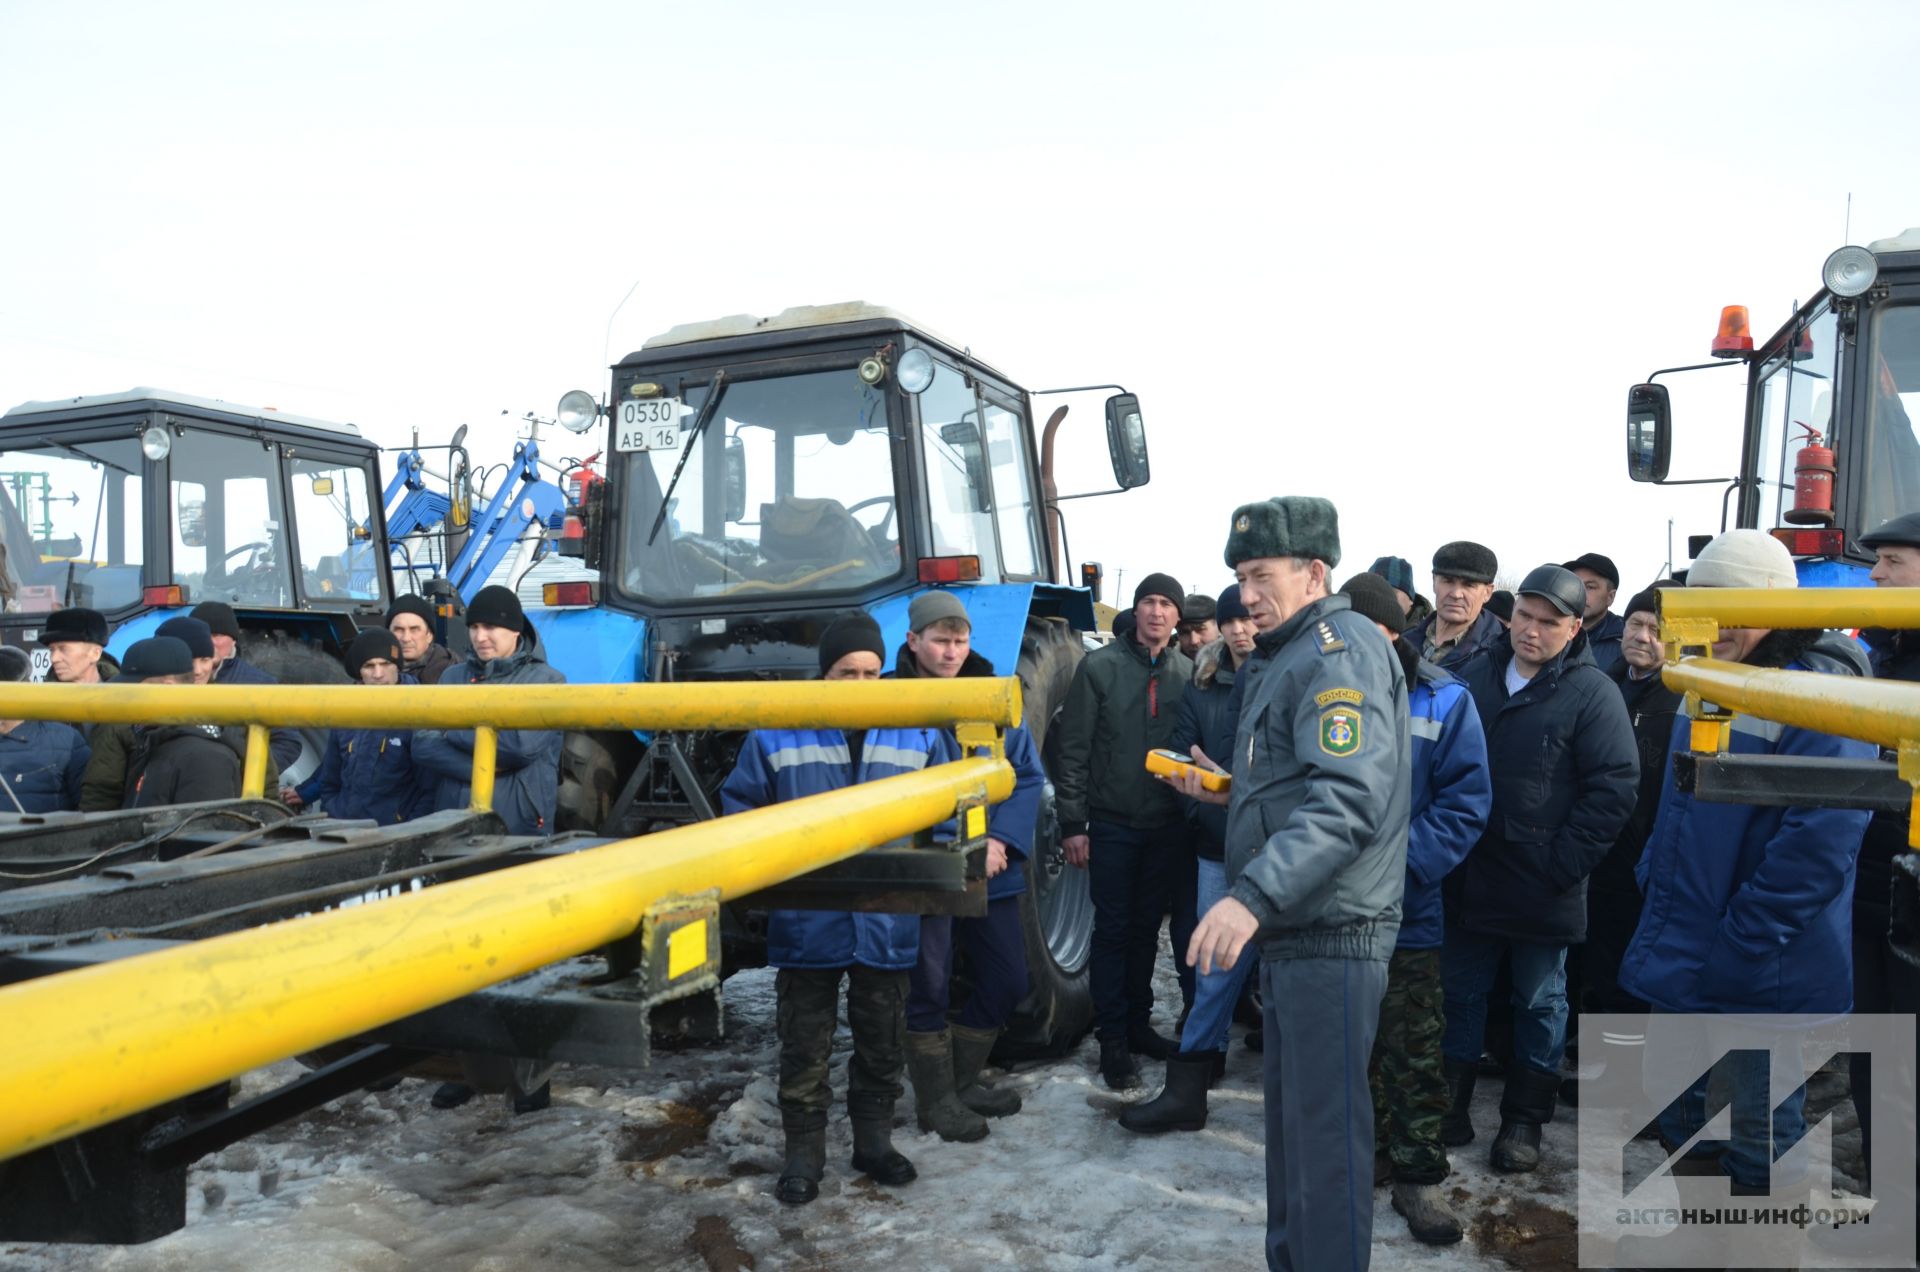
[
  {"x": 87, "y": 1047},
  {"x": 1693, "y": 615},
  {"x": 810, "y": 704}
]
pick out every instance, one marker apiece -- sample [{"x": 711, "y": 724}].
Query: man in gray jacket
[{"x": 1316, "y": 859}]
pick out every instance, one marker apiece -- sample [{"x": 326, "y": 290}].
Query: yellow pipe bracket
[
  {"x": 486, "y": 743},
  {"x": 1910, "y": 770},
  {"x": 253, "y": 776}
]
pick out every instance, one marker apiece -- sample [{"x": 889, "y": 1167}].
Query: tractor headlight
[
  {"x": 578, "y": 410},
  {"x": 155, "y": 443},
  {"x": 1850, "y": 271},
  {"x": 915, "y": 371}
]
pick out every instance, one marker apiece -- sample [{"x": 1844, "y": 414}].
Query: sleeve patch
[
  {"x": 1332, "y": 696},
  {"x": 1340, "y": 731}
]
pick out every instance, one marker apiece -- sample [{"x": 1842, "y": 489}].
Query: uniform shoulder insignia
[{"x": 1330, "y": 642}]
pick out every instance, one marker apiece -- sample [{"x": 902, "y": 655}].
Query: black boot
[
  {"x": 874, "y": 1154},
  {"x": 799, "y": 1181},
  {"x": 1525, "y": 1106},
  {"x": 451, "y": 1095},
  {"x": 1116, "y": 1065},
  {"x": 1456, "y": 1127},
  {"x": 1219, "y": 1069},
  {"x": 1183, "y": 1105},
  {"x": 533, "y": 1101},
  {"x": 1255, "y": 1041},
  {"x": 1143, "y": 1041}
]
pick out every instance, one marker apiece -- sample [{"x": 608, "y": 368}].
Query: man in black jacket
[
  {"x": 1601, "y": 578},
  {"x": 174, "y": 763},
  {"x": 411, "y": 622},
  {"x": 1119, "y": 822},
  {"x": 1460, "y": 626},
  {"x": 1564, "y": 767},
  {"x": 233, "y": 669}
]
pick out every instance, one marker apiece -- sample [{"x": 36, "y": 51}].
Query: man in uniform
[{"x": 1316, "y": 854}]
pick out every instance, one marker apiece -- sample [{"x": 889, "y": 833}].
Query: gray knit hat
[
  {"x": 1743, "y": 558},
  {"x": 1285, "y": 526}
]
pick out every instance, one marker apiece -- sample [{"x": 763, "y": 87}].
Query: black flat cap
[
  {"x": 1557, "y": 586},
  {"x": 1464, "y": 559},
  {"x": 156, "y": 656},
  {"x": 1597, "y": 564},
  {"x": 1903, "y": 532}
]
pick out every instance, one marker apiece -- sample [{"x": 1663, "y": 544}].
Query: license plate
[
  {"x": 40, "y": 660},
  {"x": 653, "y": 424}
]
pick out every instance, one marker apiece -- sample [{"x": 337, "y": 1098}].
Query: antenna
[
  {"x": 1847, "y": 236},
  {"x": 606, "y": 346}
]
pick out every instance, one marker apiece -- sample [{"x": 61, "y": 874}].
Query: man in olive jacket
[
  {"x": 1121, "y": 823},
  {"x": 1316, "y": 863}
]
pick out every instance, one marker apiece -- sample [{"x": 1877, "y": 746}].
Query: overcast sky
[{"x": 1406, "y": 257}]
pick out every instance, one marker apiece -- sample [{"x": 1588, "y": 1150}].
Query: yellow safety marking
[
  {"x": 976, "y": 822},
  {"x": 686, "y": 949}
]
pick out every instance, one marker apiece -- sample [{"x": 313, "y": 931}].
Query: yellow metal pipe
[
  {"x": 87, "y": 1047},
  {"x": 253, "y": 773},
  {"x": 485, "y": 753},
  {"x": 1794, "y": 606},
  {"x": 1884, "y": 712},
  {"x": 806, "y": 704}
]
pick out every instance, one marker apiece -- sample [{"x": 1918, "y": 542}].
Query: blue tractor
[
  {"x": 1828, "y": 450},
  {"x": 764, "y": 475}
]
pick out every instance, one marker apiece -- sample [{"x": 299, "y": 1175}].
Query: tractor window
[
  {"x": 70, "y": 521},
  {"x": 789, "y": 488},
  {"x": 1013, "y": 492},
  {"x": 1893, "y": 389},
  {"x": 331, "y": 519},
  {"x": 1797, "y": 390},
  {"x": 959, "y": 490},
  {"x": 229, "y": 542}
]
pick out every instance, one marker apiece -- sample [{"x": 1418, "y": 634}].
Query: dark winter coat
[
  {"x": 181, "y": 764},
  {"x": 1322, "y": 778},
  {"x": 103, "y": 787},
  {"x": 283, "y": 743},
  {"x": 1603, "y": 642},
  {"x": 1452, "y": 795},
  {"x": 1209, "y": 710},
  {"x": 1895, "y": 656},
  {"x": 43, "y": 762},
  {"x": 1484, "y": 633},
  {"x": 1015, "y": 819},
  {"x": 1122, "y": 704},
  {"x": 1651, "y": 708},
  {"x": 778, "y": 765},
  {"x": 369, "y": 773},
  {"x": 1564, "y": 775},
  {"x": 430, "y": 668},
  {"x": 526, "y": 761},
  {"x": 1748, "y": 909}
]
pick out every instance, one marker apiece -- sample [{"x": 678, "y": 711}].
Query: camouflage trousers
[
  {"x": 807, "y": 1013},
  {"x": 1409, "y": 1089}
]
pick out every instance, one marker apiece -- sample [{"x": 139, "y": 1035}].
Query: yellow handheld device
[{"x": 1172, "y": 764}]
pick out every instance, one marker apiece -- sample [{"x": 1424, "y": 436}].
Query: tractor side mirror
[
  {"x": 1649, "y": 432},
  {"x": 1091, "y": 576},
  {"x": 1127, "y": 441},
  {"x": 735, "y": 478}
]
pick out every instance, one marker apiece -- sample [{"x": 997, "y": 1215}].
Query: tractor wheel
[
  {"x": 1056, "y": 910},
  {"x": 295, "y": 662}
]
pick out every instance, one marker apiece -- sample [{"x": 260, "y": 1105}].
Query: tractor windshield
[
  {"x": 71, "y": 523},
  {"x": 788, "y": 487},
  {"x": 1892, "y": 394}
]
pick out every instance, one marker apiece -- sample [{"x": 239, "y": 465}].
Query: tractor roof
[
  {"x": 793, "y": 319},
  {"x": 266, "y": 415}
]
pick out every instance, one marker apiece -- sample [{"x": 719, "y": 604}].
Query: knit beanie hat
[
  {"x": 929, "y": 608},
  {"x": 375, "y": 642},
  {"x": 190, "y": 631},
  {"x": 1397, "y": 571},
  {"x": 1373, "y": 599},
  {"x": 850, "y": 634},
  {"x": 497, "y": 606},
  {"x": 1501, "y": 603},
  {"x": 1285, "y": 526},
  {"x": 1229, "y": 606},
  {"x": 219, "y": 618},
  {"x": 1647, "y": 602},
  {"x": 1160, "y": 585},
  {"x": 410, "y": 604},
  {"x": 1743, "y": 558}
]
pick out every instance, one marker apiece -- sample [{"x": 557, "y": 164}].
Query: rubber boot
[
  {"x": 1525, "y": 1106},
  {"x": 971, "y": 1047},
  {"x": 799, "y": 1181},
  {"x": 1143, "y": 1041},
  {"x": 451, "y": 1095},
  {"x": 1219, "y": 1069},
  {"x": 930, "y": 1063},
  {"x": 1430, "y": 1216},
  {"x": 875, "y": 1156},
  {"x": 1456, "y": 1127},
  {"x": 533, "y": 1101},
  {"x": 1117, "y": 1068},
  {"x": 1182, "y": 1106}
]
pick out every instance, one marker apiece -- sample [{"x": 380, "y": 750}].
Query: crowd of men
[{"x": 1434, "y": 806}]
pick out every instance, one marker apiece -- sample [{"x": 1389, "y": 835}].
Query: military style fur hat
[{"x": 1287, "y": 525}]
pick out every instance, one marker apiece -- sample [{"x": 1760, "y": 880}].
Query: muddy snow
[{"x": 673, "y": 1168}]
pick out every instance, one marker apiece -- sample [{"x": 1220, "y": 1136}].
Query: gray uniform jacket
[{"x": 1322, "y": 781}]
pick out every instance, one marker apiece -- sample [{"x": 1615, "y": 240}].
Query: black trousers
[{"x": 1130, "y": 877}]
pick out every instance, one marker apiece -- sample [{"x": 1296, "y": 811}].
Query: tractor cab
[
  {"x": 138, "y": 503},
  {"x": 1829, "y": 446}
]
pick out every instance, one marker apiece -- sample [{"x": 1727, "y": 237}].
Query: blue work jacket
[
  {"x": 1452, "y": 799},
  {"x": 369, "y": 773},
  {"x": 42, "y": 762}
]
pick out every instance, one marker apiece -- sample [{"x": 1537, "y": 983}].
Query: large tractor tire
[
  {"x": 294, "y": 662},
  {"x": 1056, "y": 910}
]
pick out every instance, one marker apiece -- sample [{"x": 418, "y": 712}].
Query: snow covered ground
[{"x": 673, "y": 1169}]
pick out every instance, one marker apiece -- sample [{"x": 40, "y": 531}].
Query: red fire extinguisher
[{"x": 1813, "y": 473}]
